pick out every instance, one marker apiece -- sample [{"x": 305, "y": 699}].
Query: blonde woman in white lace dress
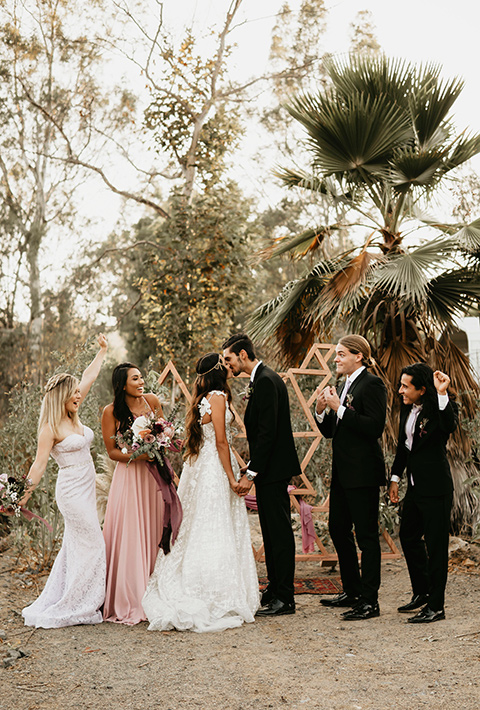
[
  {"x": 209, "y": 581},
  {"x": 75, "y": 588}
]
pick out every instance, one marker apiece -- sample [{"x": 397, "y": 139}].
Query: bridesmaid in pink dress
[{"x": 134, "y": 516}]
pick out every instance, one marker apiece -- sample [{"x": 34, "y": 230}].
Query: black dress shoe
[
  {"x": 340, "y": 600},
  {"x": 277, "y": 608},
  {"x": 426, "y": 616},
  {"x": 415, "y": 602},
  {"x": 363, "y": 610},
  {"x": 267, "y": 597}
]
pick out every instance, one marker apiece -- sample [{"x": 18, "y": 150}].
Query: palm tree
[{"x": 382, "y": 143}]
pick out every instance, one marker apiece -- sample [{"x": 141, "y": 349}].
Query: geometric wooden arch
[{"x": 316, "y": 365}]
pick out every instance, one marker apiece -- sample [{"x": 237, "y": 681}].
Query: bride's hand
[{"x": 234, "y": 486}]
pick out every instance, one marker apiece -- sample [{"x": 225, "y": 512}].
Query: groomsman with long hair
[
  {"x": 427, "y": 419},
  {"x": 354, "y": 418}
]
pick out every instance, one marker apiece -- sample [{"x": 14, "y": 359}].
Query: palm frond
[
  {"x": 406, "y": 275},
  {"x": 430, "y": 103},
  {"x": 464, "y": 149},
  {"x": 411, "y": 167},
  {"x": 371, "y": 76},
  {"x": 358, "y": 134},
  {"x": 290, "y": 305},
  {"x": 300, "y": 178},
  {"x": 468, "y": 237},
  {"x": 452, "y": 294},
  {"x": 343, "y": 290},
  {"x": 300, "y": 245}
]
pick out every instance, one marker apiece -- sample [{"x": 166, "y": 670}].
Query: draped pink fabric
[
  {"x": 306, "y": 519},
  {"x": 172, "y": 514},
  {"x": 308, "y": 528},
  {"x": 132, "y": 530}
]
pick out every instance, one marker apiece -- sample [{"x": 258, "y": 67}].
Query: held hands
[
  {"x": 243, "y": 486},
  {"x": 441, "y": 382}
]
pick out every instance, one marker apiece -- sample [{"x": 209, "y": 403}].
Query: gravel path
[{"x": 310, "y": 660}]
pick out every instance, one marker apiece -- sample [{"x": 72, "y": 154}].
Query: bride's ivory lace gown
[
  {"x": 75, "y": 589},
  {"x": 209, "y": 581}
]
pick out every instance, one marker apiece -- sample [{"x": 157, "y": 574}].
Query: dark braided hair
[{"x": 121, "y": 411}]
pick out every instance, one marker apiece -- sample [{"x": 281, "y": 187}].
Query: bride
[{"x": 208, "y": 582}]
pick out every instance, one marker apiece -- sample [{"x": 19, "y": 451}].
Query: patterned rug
[{"x": 317, "y": 585}]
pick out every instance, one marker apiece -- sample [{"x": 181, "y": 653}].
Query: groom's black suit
[
  {"x": 273, "y": 458},
  {"x": 428, "y": 501},
  {"x": 358, "y": 470}
]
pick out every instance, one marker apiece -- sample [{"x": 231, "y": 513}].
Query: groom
[{"x": 273, "y": 462}]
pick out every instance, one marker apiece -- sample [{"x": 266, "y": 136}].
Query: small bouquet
[
  {"x": 12, "y": 490},
  {"x": 149, "y": 435}
]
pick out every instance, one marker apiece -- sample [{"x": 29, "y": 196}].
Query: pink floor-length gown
[{"x": 133, "y": 529}]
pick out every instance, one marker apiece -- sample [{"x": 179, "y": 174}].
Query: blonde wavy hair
[{"x": 58, "y": 390}]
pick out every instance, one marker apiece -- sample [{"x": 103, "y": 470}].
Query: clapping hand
[
  {"x": 321, "y": 401},
  {"x": 441, "y": 382},
  {"x": 331, "y": 397}
]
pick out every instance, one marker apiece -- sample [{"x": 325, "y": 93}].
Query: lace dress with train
[
  {"x": 75, "y": 588},
  {"x": 208, "y": 582}
]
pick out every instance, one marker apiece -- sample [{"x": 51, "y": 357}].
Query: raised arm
[
  {"x": 91, "y": 372},
  {"x": 37, "y": 469}
]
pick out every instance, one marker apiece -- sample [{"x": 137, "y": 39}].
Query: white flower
[
  {"x": 3, "y": 477},
  {"x": 124, "y": 450},
  {"x": 139, "y": 424}
]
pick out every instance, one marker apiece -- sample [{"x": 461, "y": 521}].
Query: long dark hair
[
  {"x": 211, "y": 375},
  {"x": 422, "y": 376},
  {"x": 121, "y": 411}
]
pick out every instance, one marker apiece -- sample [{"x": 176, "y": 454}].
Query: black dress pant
[
  {"x": 356, "y": 508},
  {"x": 275, "y": 521},
  {"x": 424, "y": 534}
]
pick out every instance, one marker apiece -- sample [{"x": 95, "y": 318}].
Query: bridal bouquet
[
  {"x": 151, "y": 435},
  {"x": 12, "y": 489}
]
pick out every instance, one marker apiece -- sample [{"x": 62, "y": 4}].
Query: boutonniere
[
  {"x": 421, "y": 428},
  {"x": 349, "y": 400},
  {"x": 248, "y": 391}
]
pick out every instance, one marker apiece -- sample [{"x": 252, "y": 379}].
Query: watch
[{"x": 250, "y": 476}]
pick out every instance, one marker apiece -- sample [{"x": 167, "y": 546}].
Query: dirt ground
[{"x": 310, "y": 660}]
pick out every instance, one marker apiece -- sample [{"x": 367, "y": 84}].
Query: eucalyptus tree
[
  {"x": 47, "y": 82},
  {"x": 382, "y": 142}
]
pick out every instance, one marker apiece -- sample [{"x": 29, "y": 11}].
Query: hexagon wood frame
[{"x": 315, "y": 364}]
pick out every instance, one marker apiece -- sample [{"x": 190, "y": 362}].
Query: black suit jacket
[
  {"x": 357, "y": 453},
  {"x": 269, "y": 430},
  {"x": 427, "y": 462}
]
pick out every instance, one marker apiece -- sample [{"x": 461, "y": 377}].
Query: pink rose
[
  {"x": 135, "y": 447},
  {"x": 149, "y": 439}
]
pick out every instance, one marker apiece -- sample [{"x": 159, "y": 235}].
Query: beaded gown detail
[
  {"x": 75, "y": 588},
  {"x": 208, "y": 582}
]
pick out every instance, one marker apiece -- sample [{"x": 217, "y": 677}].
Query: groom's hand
[{"x": 243, "y": 486}]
